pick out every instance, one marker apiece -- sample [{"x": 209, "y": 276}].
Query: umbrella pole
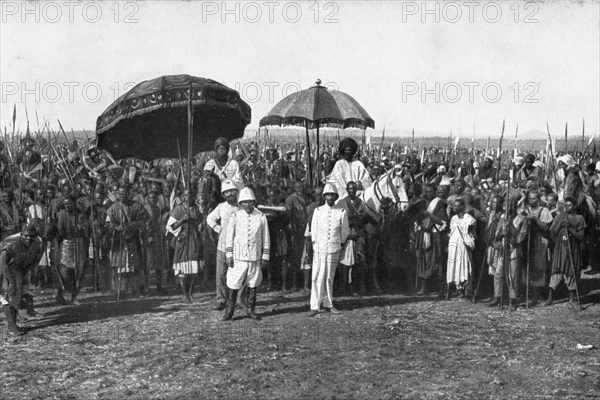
[
  {"x": 308, "y": 161},
  {"x": 318, "y": 164},
  {"x": 190, "y": 110},
  {"x": 189, "y": 144}
]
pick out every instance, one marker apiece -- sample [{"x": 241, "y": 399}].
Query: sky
[{"x": 431, "y": 66}]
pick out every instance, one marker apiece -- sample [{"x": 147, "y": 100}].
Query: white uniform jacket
[
  {"x": 218, "y": 220},
  {"x": 329, "y": 229},
  {"x": 247, "y": 237}
]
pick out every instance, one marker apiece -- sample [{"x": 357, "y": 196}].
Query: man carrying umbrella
[
  {"x": 346, "y": 170},
  {"x": 222, "y": 166}
]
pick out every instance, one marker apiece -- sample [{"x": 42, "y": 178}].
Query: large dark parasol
[
  {"x": 151, "y": 120},
  {"x": 318, "y": 107}
]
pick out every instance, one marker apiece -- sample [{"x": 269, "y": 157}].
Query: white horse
[{"x": 387, "y": 185}]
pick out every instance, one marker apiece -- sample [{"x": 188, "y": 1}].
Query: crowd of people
[{"x": 475, "y": 223}]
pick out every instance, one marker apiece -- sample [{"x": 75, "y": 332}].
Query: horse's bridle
[{"x": 390, "y": 183}]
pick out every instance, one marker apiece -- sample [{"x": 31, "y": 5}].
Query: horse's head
[
  {"x": 388, "y": 187},
  {"x": 574, "y": 185},
  {"x": 209, "y": 191}
]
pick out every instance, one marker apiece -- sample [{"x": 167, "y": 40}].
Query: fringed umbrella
[
  {"x": 151, "y": 120},
  {"x": 315, "y": 108}
]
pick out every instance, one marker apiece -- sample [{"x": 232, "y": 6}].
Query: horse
[
  {"x": 208, "y": 196},
  {"x": 576, "y": 189},
  {"x": 386, "y": 200}
]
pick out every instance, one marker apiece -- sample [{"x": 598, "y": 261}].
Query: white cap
[
  {"x": 246, "y": 194},
  {"x": 538, "y": 164},
  {"x": 228, "y": 185},
  {"x": 330, "y": 188}
]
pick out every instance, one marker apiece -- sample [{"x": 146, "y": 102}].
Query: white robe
[
  {"x": 344, "y": 172},
  {"x": 459, "y": 253}
]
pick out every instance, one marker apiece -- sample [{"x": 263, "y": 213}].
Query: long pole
[
  {"x": 493, "y": 231},
  {"x": 317, "y": 157},
  {"x": 528, "y": 263},
  {"x": 506, "y": 259},
  {"x": 572, "y": 266},
  {"x": 308, "y": 160},
  {"x": 190, "y": 130}
]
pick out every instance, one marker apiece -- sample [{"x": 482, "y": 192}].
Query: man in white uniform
[
  {"x": 247, "y": 246},
  {"x": 329, "y": 231},
  {"x": 218, "y": 220}
]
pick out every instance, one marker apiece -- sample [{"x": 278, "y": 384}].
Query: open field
[{"x": 382, "y": 347}]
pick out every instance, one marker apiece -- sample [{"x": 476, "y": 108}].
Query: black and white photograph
[{"x": 330, "y": 199}]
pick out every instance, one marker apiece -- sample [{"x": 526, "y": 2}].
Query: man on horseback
[
  {"x": 222, "y": 165},
  {"x": 347, "y": 170}
]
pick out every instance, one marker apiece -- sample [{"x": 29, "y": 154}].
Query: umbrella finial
[{"x": 318, "y": 82}]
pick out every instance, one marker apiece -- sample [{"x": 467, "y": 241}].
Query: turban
[
  {"x": 489, "y": 158},
  {"x": 221, "y": 142},
  {"x": 348, "y": 142},
  {"x": 567, "y": 160},
  {"x": 518, "y": 160},
  {"x": 530, "y": 157}
]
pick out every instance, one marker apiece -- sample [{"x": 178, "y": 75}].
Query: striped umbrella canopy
[
  {"x": 319, "y": 107},
  {"x": 152, "y": 119}
]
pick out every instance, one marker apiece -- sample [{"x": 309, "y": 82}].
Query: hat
[
  {"x": 567, "y": 160},
  {"x": 330, "y": 189},
  {"x": 538, "y": 164},
  {"x": 228, "y": 185},
  {"x": 27, "y": 141},
  {"x": 246, "y": 194},
  {"x": 221, "y": 142}
]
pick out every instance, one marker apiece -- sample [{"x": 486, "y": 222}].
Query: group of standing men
[{"x": 126, "y": 226}]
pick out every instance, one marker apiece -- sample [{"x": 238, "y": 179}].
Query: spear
[
  {"x": 588, "y": 146},
  {"x": 500, "y": 151},
  {"x": 63, "y": 132},
  {"x": 583, "y": 133},
  {"x": 566, "y": 138},
  {"x": 13, "y": 121},
  {"x": 552, "y": 158},
  {"x": 381, "y": 146}
]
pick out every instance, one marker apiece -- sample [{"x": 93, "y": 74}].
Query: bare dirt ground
[{"x": 390, "y": 346}]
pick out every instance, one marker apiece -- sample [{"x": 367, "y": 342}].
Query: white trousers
[
  {"x": 323, "y": 272},
  {"x": 244, "y": 272}
]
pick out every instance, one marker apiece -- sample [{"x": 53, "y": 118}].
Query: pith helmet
[
  {"x": 246, "y": 194},
  {"x": 228, "y": 185},
  {"x": 330, "y": 188}
]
